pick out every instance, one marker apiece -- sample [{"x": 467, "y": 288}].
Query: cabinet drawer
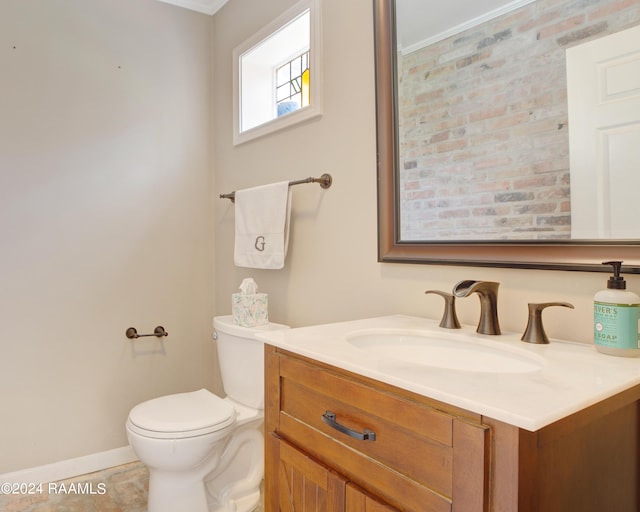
[{"x": 410, "y": 462}]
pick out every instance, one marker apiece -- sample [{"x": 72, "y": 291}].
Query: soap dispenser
[{"x": 615, "y": 315}]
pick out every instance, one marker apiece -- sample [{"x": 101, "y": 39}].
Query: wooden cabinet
[
  {"x": 359, "y": 501},
  {"x": 407, "y": 453},
  {"x": 305, "y": 485},
  {"x": 337, "y": 441}
]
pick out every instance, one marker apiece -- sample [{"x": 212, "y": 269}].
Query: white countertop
[{"x": 569, "y": 377}]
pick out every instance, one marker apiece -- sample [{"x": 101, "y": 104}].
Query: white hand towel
[{"x": 262, "y": 226}]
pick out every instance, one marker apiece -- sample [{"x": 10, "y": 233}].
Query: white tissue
[
  {"x": 248, "y": 286},
  {"x": 249, "y": 308}
]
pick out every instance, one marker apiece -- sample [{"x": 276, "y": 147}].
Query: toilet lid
[{"x": 198, "y": 412}]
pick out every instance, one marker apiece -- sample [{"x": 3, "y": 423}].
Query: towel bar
[{"x": 325, "y": 182}]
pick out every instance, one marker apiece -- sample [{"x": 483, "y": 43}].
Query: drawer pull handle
[{"x": 330, "y": 419}]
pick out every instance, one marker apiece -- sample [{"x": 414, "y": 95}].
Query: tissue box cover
[{"x": 249, "y": 310}]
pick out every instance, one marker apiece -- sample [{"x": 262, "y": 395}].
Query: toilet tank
[{"x": 241, "y": 360}]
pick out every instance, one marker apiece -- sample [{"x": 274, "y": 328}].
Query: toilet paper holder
[{"x": 132, "y": 333}]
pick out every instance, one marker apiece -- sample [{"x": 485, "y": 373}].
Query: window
[
  {"x": 292, "y": 85},
  {"x": 277, "y": 74}
]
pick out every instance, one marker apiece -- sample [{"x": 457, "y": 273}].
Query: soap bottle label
[{"x": 616, "y": 325}]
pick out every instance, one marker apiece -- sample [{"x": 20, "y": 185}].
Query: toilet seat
[{"x": 182, "y": 415}]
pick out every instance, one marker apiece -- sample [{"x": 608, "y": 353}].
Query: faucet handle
[
  {"x": 449, "y": 317},
  {"x": 534, "y": 332}
]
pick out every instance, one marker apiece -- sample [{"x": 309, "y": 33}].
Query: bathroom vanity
[{"x": 360, "y": 416}]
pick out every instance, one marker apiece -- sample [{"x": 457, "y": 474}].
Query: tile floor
[{"x": 119, "y": 489}]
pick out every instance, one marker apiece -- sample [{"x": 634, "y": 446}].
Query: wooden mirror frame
[{"x": 570, "y": 255}]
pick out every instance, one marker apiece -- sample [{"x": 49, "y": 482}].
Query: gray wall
[{"x": 106, "y": 219}]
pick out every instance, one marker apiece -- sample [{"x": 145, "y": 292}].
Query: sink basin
[{"x": 451, "y": 353}]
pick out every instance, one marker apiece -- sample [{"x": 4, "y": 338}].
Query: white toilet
[{"x": 206, "y": 453}]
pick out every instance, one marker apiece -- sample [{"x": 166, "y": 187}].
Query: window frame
[{"x": 314, "y": 109}]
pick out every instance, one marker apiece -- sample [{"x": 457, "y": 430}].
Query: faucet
[
  {"x": 449, "y": 317},
  {"x": 488, "y": 293},
  {"x": 535, "y": 330}
]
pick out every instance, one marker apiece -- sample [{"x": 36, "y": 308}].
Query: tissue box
[{"x": 249, "y": 310}]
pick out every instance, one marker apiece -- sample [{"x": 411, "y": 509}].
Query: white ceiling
[
  {"x": 423, "y": 22},
  {"x": 205, "y": 6}
]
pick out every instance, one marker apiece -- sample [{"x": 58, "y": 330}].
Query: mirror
[
  {"x": 277, "y": 74},
  {"x": 533, "y": 246}
]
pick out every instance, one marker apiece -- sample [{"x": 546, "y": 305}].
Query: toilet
[{"x": 206, "y": 453}]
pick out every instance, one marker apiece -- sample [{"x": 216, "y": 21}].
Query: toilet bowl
[{"x": 205, "y": 453}]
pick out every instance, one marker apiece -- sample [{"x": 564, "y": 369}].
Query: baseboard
[{"x": 72, "y": 467}]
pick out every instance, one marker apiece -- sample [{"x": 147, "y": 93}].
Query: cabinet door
[
  {"x": 304, "y": 485},
  {"x": 359, "y": 501}
]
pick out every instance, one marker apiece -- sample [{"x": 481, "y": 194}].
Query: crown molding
[
  {"x": 204, "y": 6},
  {"x": 465, "y": 25}
]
